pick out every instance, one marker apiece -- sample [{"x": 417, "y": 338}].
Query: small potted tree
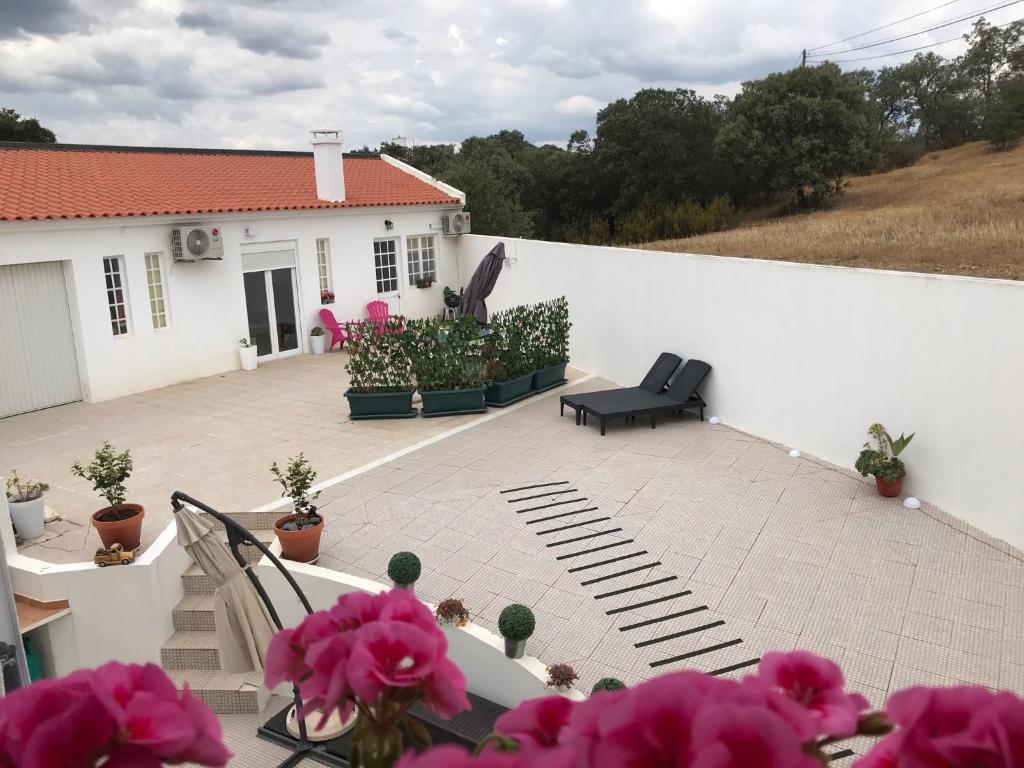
[
  {"x": 551, "y": 348},
  {"x": 516, "y": 623},
  {"x": 25, "y": 500},
  {"x": 882, "y": 460},
  {"x": 508, "y": 357},
  {"x": 118, "y": 522},
  {"x": 608, "y": 684},
  {"x": 316, "y": 340},
  {"x": 447, "y": 361},
  {"x": 247, "y": 354},
  {"x": 404, "y": 568},
  {"x": 451, "y": 611},
  {"x": 380, "y": 373},
  {"x": 561, "y": 677},
  {"x": 299, "y": 532}
]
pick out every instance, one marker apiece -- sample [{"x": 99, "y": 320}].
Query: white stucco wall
[
  {"x": 810, "y": 355},
  {"x": 206, "y": 301}
]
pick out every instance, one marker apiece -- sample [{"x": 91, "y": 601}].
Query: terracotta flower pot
[
  {"x": 126, "y": 532},
  {"x": 301, "y": 546},
  {"x": 889, "y": 488}
]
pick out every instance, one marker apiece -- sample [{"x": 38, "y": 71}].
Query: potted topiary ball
[
  {"x": 516, "y": 623},
  {"x": 404, "y": 568},
  {"x": 608, "y": 684},
  {"x": 118, "y": 522}
]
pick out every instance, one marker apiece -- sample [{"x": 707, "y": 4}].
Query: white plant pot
[
  {"x": 28, "y": 517},
  {"x": 247, "y": 355},
  {"x": 316, "y": 344}
]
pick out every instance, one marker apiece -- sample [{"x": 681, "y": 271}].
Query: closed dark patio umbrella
[{"x": 482, "y": 283}]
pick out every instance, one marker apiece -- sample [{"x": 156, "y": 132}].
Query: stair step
[
  {"x": 196, "y": 582},
  {"x": 190, "y": 650},
  {"x": 227, "y": 694},
  {"x": 254, "y": 521},
  {"x": 194, "y": 613}
]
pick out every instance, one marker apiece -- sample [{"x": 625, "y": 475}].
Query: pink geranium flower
[
  {"x": 817, "y": 685},
  {"x": 536, "y": 721}
]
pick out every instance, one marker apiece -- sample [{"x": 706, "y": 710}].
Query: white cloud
[{"x": 578, "y": 105}]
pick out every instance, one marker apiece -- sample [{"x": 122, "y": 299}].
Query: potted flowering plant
[
  {"x": 379, "y": 369},
  {"x": 25, "y": 500},
  {"x": 452, "y": 611},
  {"x": 561, "y": 677},
  {"x": 509, "y": 357},
  {"x": 118, "y": 522},
  {"x": 316, "y": 340},
  {"x": 299, "y": 532},
  {"x": 882, "y": 460},
  {"x": 448, "y": 364},
  {"x": 551, "y": 346},
  {"x": 326, "y": 297},
  {"x": 247, "y": 354}
]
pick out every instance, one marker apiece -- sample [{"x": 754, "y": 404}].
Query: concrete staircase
[{"x": 190, "y": 655}]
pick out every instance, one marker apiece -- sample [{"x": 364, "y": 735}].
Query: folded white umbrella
[{"x": 241, "y": 621}]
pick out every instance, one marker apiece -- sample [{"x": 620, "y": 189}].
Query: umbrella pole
[{"x": 239, "y": 535}]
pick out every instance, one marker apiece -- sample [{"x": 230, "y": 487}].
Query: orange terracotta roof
[{"x": 95, "y": 182}]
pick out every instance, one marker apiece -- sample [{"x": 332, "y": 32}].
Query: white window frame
[
  {"x": 323, "y": 263},
  {"x": 421, "y": 258},
  {"x": 114, "y": 283},
  {"x": 156, "y": 288},
  {"x": 386, "y": 284}
]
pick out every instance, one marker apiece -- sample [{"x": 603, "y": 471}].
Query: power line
[
  {"x": 884, "y": 26},
  {"x": 923, "y": 31},
  {"x": 919, "y": 48}
]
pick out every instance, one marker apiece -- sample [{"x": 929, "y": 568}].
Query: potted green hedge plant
[
  {"x": 509, "y": 356},
  {"x": 516, "y": 623},
  {"x": 118, "y": 522},
  {"x": 299, "y": 531},
  {"x": 882, "y": 460},
  {"x": 551, "y": 346},
  {"x": 447, "y": 360},
  {"x": 403, "y": 569},
  {"x": 25, "y": 500},
  {"x": 380, "y": 374}
]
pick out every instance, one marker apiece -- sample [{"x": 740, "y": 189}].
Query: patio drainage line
[
  {"x": 584, "y": 538},
  {"x": 645, "y": 603},
  {"x": 624, "y": 590},
  {"x": 547, "y": 506},
  {"x": 573, "y": 525},
  {"x": 734, "y": 667},
  {"x": 639, "y": 568},
  {"x": 647, "y": 623},
  {"x": 564, "y": 514},
  {"x": 606, "y": 562},
  {"x": 531, "y": 487},
  {"x": 595, "y": 549},
  {"x": 674, "y": 635},
  {"x": 543, "y": 495},
  {"x": 840, "y": 755},
  {"x": 699, "y": 652}
]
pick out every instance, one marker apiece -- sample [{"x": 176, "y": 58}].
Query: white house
[{"x": 98, "y": 300}]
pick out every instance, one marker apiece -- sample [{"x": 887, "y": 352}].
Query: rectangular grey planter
[
  {"x": 502, "y": 393},
  {"x": 549, "y": 377},
  {"x": 452, "y": 402},
  {"x": 380, "y": 405}
]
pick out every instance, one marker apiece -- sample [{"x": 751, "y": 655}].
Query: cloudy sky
[{"x": 260, "y": 73}]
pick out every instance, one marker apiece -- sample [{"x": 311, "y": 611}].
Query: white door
[
  {"x": 271, "y": 303},
  {"x": 388, "y": 273},
  {"x": 38, "y": 362}
]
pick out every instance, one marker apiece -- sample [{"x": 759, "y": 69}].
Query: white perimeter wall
[
  {"x": 810, "y": 355},
  {"x": 206, "y": 301}
]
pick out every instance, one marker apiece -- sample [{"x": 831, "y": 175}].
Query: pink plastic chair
[
  {"x": 338, "y": 334},
  {"x": 379, "y": 312}
]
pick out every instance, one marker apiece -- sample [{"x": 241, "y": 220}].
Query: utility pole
[{"x": 803, "y": 58}]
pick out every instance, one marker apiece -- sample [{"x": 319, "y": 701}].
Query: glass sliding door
[
  {"x": 282, "y": 286},
  {"x": 258, "y": 310},
  {"x": 272, "y": 310}
]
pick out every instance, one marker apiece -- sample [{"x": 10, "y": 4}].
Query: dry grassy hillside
[{"x": 959, "y": 211}]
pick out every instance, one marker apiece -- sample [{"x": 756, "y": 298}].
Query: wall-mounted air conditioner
[
  {"x": 194, "y": 242},
  {"x": 455, "y": 224}
]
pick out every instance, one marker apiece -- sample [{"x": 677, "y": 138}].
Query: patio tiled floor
[
  {"x": 782, "y": 552},
  {"x": 214, "y": 438}
]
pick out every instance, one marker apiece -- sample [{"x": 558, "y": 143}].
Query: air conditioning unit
[
  {"x": 455, "y": 224},
  {"x": 194, "y": 242}
]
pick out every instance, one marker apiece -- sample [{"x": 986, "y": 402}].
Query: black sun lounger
[
  {"x": 681, "y": 395},
  {"x": 654, "y": 382}
]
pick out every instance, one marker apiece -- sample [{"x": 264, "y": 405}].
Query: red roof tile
[{"x": 85, "y": 182}]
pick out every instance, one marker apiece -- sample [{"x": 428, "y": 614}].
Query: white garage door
[{"x": 38, "y": 363}]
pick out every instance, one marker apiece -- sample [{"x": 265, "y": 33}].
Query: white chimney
[{"x": 327, "y": 163}]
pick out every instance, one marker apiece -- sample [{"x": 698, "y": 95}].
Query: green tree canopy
[{"x": 14, "y": 127}]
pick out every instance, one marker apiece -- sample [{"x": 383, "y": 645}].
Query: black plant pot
[
  {"x": 452, "y": 402},
  {"x": 380, "y": 405},
  {"x": 549, "y": 377},
  {"x": 502, "y": 393},
  {"x": 515, "y": 649}
]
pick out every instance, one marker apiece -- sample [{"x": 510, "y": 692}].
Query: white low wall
[{"x": 809, "y": 355}]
